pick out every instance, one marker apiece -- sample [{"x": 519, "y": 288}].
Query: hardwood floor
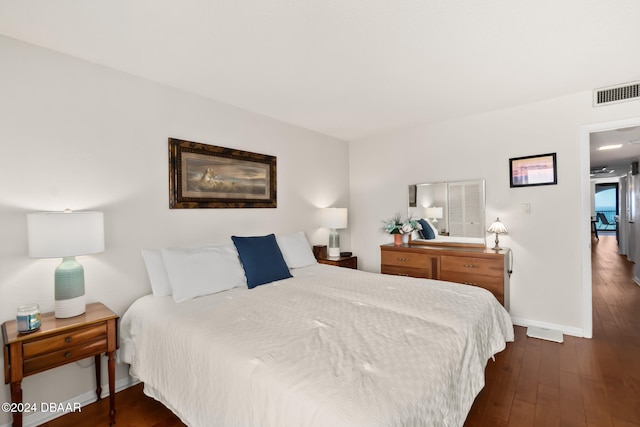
[
  {"x": 591, "y": 383},
  {"x": 133, "y": 409}
]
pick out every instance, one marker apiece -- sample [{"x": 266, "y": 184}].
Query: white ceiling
[
  {"x": 615, "y": 162},
  {"x": 348, "y": 68}
]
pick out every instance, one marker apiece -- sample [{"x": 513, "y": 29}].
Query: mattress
[{"x": 327, "y": 347}]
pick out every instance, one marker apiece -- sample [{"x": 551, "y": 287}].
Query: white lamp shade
[
  {"x": 65, "y": 234},
  {"x": 434, "y": 213},
  {"x": 334, "y": 218},
  {"x": 497, "y": 227}
]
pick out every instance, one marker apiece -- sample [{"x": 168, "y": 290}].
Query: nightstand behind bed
[
  {"x": 56, "y": 343},
  {"x": 343, "y": 261}
]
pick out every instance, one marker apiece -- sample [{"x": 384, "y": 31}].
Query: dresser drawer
[
  {"x": 423, "y": 273},
  {"x": 61, "y": 357},
  {"x": 472, "y": 265},
  {"x": 406, "y": 259},
  {"x": 493, "y": 284},
  {"x": 60, "y": 341}
]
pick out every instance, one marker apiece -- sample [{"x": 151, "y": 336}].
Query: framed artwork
[
  {"x": 533, "y": 170},
  {"x": 208, "y": 176}
]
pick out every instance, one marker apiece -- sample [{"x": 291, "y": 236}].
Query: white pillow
[
  {"x": 296, "y": 250},
  {"x": 435, "y": 230},
  {"x": 160, "y": 285},
  {"x": 202, "y": 270}
]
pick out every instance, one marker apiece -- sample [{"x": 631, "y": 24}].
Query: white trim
[
  {"x": 585, "y": 225},
  {"x": 566, "y": 330},
  {"x": 37, "y": 418}
]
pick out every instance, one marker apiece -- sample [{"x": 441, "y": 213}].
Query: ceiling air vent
[{"x": 619, "y": 93}]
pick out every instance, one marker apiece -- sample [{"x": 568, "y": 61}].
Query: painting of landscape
[{"x": 207, "y": 176}]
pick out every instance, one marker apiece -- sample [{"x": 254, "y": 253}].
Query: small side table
[
  {"x": 342, "y": 261},
  {"x": 58, "y": 342}
]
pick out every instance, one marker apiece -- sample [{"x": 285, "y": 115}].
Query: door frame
[{"x": 585, "y": 217}]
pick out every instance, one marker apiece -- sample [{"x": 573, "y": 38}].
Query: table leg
[
  {"x": 98, "y": 380},
  {"x": 111, "y": 364},
  {"x": 16, "y": 397}
]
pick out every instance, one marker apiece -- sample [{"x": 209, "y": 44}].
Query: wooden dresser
[{"x": 482, "y": 267}]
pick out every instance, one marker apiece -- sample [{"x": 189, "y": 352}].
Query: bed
[
  {"x": 327, "y": 346},
  {"x": 429, "y": 235}
]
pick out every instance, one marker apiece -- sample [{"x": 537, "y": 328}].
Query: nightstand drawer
[
  {"x": 471, "y": 265},
  {"x": 64, "y": 340},
  {"x": 70, "y": 354},
  {"x": 405, "y": 259}
]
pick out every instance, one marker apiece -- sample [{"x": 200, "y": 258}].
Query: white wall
[
  {"x": 546, "y": 285},
  {"x": 84, "y": 137}
]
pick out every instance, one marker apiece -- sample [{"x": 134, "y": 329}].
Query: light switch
[{"x": 526, "y": 208}]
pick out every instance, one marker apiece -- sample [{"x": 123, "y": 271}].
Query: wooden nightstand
[
  {"x": 342, "y": 261},
  {"x": 58, "y": 342}
]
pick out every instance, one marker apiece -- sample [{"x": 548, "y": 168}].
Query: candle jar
[{"x": 28, "y": 318}]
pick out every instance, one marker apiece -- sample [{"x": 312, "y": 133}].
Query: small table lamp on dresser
[
  {"x": 498, "y": 228},
  {"x": 66, "y": 235}
]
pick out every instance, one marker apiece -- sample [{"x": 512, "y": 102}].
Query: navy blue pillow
[
  {"x": 427, "y": 231},
  {"x": 261, "y": 259}
]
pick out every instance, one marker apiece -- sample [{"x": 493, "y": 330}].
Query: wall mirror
[{"x": 455, "y": 208}]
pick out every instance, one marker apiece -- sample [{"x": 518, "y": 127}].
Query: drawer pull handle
[
  {"x": 470, "y": 283},
  {"x": 403, "y": 259},
  {"x": 470, "y": 265},
  {"x": 67, "y": 355},
  {"x": 403, "y": 274},
  {"x": 68, "y": 339}
]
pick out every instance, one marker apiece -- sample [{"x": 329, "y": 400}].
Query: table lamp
[
  {"x": 333, "y": 219},
  {"x": 435, "y": 214},
  {"x": 66, "y": 235},
  {"x": 498, "y": 228}
]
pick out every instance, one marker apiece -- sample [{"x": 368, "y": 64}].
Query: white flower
[{"x": 406, "y": 228}]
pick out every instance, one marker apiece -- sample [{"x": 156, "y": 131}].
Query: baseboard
[
  {"x": 84, "y": 399},
  {"x": 566, "y": 330}
]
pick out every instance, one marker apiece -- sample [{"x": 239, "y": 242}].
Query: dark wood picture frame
[
  {"x": 208, "y": 176},
  {"x": 533, "y": 171}
]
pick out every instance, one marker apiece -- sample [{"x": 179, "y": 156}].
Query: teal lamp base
[{"x": 69, "y": 289}]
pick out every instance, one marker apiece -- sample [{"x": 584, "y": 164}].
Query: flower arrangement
[{"x": 396, "y": 225}]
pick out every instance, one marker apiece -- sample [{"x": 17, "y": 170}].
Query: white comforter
[{"x": 329, "y": 347}]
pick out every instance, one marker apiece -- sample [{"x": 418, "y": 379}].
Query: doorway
[{"x": 586, "y": 209}]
